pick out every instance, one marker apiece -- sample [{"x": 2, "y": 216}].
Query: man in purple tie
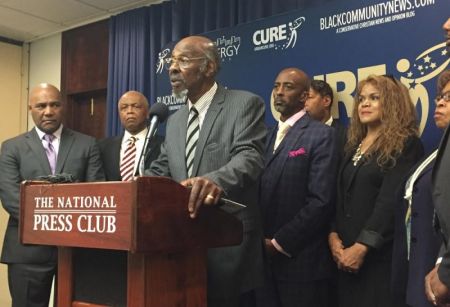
[{"x": 49, "y": 148}]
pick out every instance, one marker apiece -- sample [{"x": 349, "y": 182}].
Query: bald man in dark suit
[
  {"x": 133, "y": 113},
  {"x": 47, "y": 149},
  {"x": 296, "y": 199}
]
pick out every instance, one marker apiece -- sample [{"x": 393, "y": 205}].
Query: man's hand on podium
[{"x": 203, "y": 191}]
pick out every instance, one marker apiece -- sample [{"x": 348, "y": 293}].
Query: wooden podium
[{"x": 147, "y": 217}]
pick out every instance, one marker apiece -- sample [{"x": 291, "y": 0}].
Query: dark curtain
[{"x": 138, "y": 35}]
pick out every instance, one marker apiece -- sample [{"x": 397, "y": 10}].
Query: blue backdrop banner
[{"x": 341, "y": 43}]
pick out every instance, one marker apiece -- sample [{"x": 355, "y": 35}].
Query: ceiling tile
[
  {"x": 60, "y": 11},
  {"x": 26, "y": 20},
  {"x": 18, "y": 22},
  {"x": 115, "y": 5}
]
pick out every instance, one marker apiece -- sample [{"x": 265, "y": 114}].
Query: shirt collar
[
  {"x": 329, "y": 121},
  {"x": 140, "y": 136},
  {"x": 294, "y": 118},
  {"x": 57, "y": 133},
  {"x": 204, "y": 101}
]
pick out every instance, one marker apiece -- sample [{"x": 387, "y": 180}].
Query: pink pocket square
[{"x": 299, "y": 152}]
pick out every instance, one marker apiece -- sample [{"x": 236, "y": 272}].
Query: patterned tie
[
  {"x": 127, "y": 164},
  {"x": 50, "y": 152},
  {"x": 193, "y": 130},
  {"x": 282, "y": 131}
]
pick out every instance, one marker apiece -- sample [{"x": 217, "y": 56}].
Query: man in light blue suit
[
  {"x": 31, "y": 267},
  {"x": 227, "y": 145}
]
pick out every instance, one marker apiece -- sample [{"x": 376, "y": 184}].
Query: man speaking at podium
[
  {"x": 47, "y": 149},
  {"x": 214, "y": 144}
]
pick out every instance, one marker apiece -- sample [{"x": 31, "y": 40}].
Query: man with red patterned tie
[{"x": 120, "y": 154}]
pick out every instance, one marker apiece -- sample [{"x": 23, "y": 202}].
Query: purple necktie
[{"x": 50, "y": 151}]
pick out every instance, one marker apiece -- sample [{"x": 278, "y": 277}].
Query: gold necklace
[{"x": 358, "y": 155}]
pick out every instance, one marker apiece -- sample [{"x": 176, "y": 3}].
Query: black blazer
[
  {"x": 441, "y": 197},
  {"x": 110, "y": 154},
  {"x": 408, "y": 276},
  {"x": 366, "y": 205}
]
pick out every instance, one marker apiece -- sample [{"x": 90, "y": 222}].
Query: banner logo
[
  {"x": 426, "y": 66},
  {"x": 161, "y": 59},
  {"x": 282, "y": 37},
  {"x": 228, "y": 47}
]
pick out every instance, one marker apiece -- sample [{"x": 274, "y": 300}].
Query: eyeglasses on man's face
[
  {"x": 444, "y": 96},
  {"x": 182, "y": 61}
]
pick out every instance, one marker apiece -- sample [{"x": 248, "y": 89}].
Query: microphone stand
[{"x": 151, "y": 131}]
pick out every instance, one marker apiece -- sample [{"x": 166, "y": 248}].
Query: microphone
[
  {"x": 158, "y": 114},
  {"x": 58, "y": 178}
]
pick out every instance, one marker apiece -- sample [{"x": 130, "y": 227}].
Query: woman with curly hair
[{"x": 382, "y": 146}]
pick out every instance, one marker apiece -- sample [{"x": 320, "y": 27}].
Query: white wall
[
  {"x": 45, "y": 64},
  {"x": 45, "y": 61},
  {"x": 21, "y": 69},
  {"x": 13, "y": 122}
]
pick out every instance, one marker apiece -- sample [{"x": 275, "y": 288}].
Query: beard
[{"x": 180, "y": 95}]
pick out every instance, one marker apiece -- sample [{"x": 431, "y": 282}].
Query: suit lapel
[
  {"x": 208, "y": 123},
  {"x": 354, "y": 172},
  {"x": 268, "y": 153},
  {"x": 442, "y": 145},
  {"x": 115, "y": 155},
  {"x": 427, "y": 169},
  {"x": 67, "y": 140},
  {"x": 33, "y": 141},
  {"x": 290, "y": 139}
]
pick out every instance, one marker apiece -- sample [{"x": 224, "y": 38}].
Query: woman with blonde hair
[{"x": 382, "y": 146}]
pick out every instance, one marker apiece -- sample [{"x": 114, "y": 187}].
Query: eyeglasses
[
  {"x": 182, "y": 61},
  {"x": 444, "y": 96}
]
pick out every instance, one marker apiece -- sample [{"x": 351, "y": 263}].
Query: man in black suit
[
  {"x": 47, "y": 149},
  {"x": 133, "y": 112},
  {"x": 296, "y": 200},
  {"x": 111, "y": 266},
  {"x": 318, "y": 105}
]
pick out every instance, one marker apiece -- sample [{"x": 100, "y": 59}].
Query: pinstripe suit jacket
[
  {"x": 229, "y": 152},
  {"x": 24, "y": 158},
  {"x": 296, "y": 198}
]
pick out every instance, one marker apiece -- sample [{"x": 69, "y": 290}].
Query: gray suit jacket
[
  {"x": 229, "y": 152},
  {"x": 24, "y": 158}
]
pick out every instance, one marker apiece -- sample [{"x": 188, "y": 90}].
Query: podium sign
[
  {"x": 95, "y": 214},
  {"x": 147, "y": 217}
]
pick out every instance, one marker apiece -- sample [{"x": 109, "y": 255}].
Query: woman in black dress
[{"x": 382, "y": 146}]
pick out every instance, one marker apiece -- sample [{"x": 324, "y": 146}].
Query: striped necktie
[
  {"x": 127, "y": 163},
  {"x": 193, "y": 130}
]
